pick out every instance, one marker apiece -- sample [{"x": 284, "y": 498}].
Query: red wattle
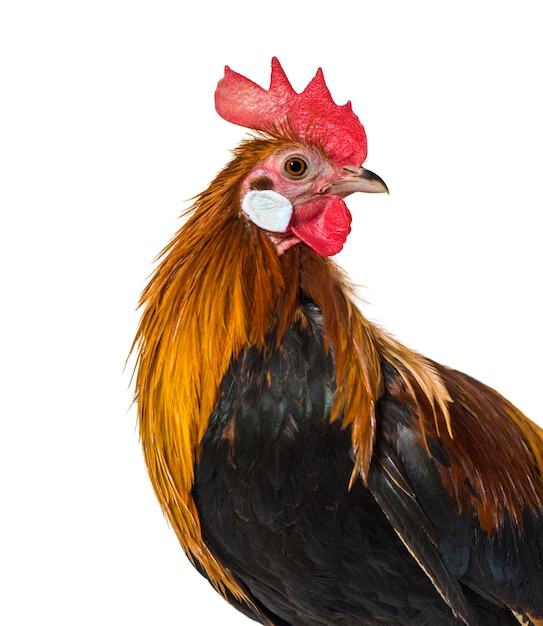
[{"x": 323, "y": 224}]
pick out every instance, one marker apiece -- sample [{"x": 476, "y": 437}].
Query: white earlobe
[{"x": 268, "y": 209}]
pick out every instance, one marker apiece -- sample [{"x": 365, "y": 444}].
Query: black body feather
[{"x": 272, "y": 492}]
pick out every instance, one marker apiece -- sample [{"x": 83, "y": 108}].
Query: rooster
[{"x": 315, "y": 470}]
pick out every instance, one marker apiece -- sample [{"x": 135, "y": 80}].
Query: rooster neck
[{"x": 222, "y": 287}]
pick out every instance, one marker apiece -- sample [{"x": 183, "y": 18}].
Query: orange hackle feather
[{"x": 219, "y": 287}]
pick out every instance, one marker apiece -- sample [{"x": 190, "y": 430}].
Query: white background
[{"x": 108, "y": 126}]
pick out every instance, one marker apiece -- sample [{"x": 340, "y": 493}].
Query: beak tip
[{"x": 375, "y": 184}]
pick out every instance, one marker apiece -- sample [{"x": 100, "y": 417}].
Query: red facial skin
[{"x": 320, "y": 217}]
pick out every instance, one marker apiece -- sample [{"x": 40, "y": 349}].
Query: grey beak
[{"x": 357, "y": 179}]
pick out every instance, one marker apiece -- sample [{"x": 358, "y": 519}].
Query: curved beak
[{"x": 357, "y": 179}]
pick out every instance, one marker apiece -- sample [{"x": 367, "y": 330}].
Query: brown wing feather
[{"x": 497, "y": 452}]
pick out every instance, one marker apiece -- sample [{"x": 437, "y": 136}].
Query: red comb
[{"x": 312, "y": 114}]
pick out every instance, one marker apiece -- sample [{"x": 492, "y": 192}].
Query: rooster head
[{"x": 295, "y": 193}]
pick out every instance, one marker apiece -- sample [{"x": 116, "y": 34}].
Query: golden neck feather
[{"x": 219, "y": 287}]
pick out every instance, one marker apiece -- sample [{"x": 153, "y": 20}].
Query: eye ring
[{"x": 295, "y": 166}]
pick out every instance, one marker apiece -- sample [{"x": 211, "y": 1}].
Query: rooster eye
[{"x": 295, "y": 166}]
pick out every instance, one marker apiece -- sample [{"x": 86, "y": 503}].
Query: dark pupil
[{"x": 296, "y": 166}]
